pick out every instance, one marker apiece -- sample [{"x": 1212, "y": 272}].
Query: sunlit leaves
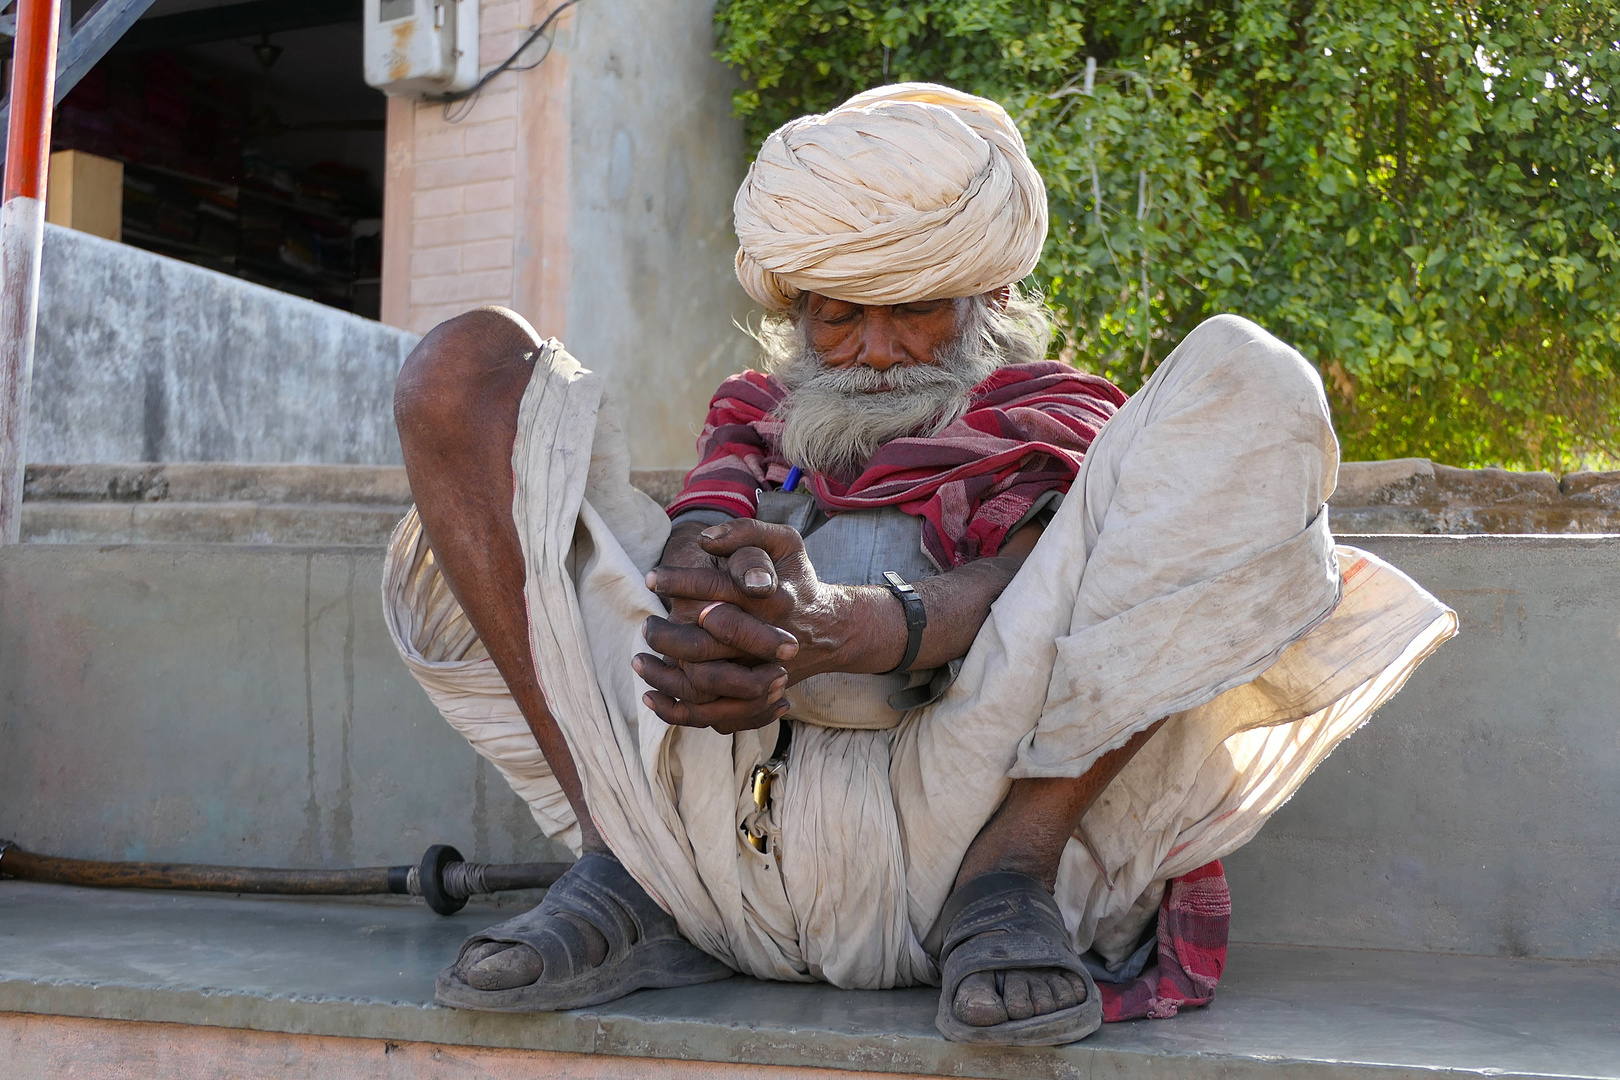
[{"x": 1421, "y": 195}]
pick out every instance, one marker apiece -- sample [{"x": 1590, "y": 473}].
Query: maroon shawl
[
  {"x": 1025, "y": 433},
  {"x": 1194, "y": 918}
]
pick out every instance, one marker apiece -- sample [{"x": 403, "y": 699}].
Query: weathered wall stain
[{"x": 143, "y": 358}]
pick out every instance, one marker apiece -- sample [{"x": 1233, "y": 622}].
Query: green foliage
[{"x": 1421, "y": 195}]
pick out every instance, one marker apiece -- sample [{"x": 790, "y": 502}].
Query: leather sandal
[
  {"x": 1007, "y": 921},
  {"x": 645, "y": 949}
]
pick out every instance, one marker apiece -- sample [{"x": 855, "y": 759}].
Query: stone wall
[
  {"x": 1414, "y": 495},
  {"x": 144, "y": 358}
]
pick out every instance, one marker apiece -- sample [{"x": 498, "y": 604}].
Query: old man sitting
[{"x": 953, "y": 667}]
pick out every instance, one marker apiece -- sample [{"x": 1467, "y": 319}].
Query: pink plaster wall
[
  {"x": 475, "y": 211},
  {"x": 592, "y": 195}
]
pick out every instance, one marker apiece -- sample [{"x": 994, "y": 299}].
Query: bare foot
[
  {"x": 995, "y": 997},
  {"x": 501, "y": 965}
]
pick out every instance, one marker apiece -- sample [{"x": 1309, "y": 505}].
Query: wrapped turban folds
[{"x": 904, "y": 193}]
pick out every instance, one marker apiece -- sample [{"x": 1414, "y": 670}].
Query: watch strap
[{"x": 916, "y": 617}]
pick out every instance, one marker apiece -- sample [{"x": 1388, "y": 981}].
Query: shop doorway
[{"x": 248, "y": 143}]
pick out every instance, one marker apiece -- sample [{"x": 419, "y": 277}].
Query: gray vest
[{"x": 855, "y": 548}]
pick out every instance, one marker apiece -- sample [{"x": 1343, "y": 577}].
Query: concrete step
[
  {"x": 223, "y": 502},
  {"x": 322, "y": 989},
  {"x": 214, "y": 481},
  {"x": 229, "y": 503},
  {"x": 208, "y": 523},
  {"x": 233, "y": 704}
]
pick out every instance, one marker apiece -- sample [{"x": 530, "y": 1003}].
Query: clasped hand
[{"x": 741, "y": 630}]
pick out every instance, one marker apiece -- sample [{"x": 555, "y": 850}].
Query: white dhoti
[{"x": 1188, "y": 575}]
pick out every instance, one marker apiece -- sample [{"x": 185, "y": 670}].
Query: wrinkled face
[
  {"x": 843, "y": 334},
  {"x": 860, "y": 375}
]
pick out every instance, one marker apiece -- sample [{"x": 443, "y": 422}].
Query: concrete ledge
[
  {"x": 345, "y": 524},
  {"x": 210, "y": 482},
  {"x": 353, "y": 504},
  {"x": 1414, "y": 495},
  {"x": 1475, "y": 812},
  {"x": 236, "y": 704},
  {"x": 142, "y": 357},
  {"x": 365, "y": 970},
  {"x": 232, "y": 503},
  {"x": 227, "y": 703},
  {"x": 225, "y": 482}
]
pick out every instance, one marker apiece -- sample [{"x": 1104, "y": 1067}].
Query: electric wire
[{"x": 509, "y": 64}]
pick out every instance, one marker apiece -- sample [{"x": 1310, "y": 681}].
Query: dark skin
[{"x": 767, "y": 620}]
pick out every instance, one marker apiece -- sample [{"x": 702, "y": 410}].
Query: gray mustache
[{"x": 859, "y": 379}]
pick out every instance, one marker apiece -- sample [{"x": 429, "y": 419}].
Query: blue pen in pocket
[{"x": 792, "y": 480}]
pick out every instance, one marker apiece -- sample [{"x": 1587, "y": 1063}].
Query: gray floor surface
[{"x": 362, "y": 968}]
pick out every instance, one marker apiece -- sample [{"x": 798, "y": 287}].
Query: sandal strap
[
  {"x": 600, "y": 892},
  {"x": 987, "y": 896},
  {"x": 1001, "y": 922},
  {"x": 597, "y": 890},
  {"x": 1008, "y": 922}
]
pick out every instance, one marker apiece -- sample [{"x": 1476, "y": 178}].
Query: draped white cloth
[
  {"x": 1189, "y": 575},
  {"x": 907, "y": 192}
]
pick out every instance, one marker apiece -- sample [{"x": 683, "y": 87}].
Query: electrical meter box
[{"x": 420, "y": 47}]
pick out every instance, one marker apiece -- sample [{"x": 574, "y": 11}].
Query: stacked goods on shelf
[{"x": 195, "y": 189}]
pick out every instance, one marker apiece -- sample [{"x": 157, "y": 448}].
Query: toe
[
  {"x": 977, "y": 1003},
  {"x": 1062, "y": 990},
  {"x": 1078, "y": 984},
  {"x": 1017, "y": 997},
  {"x": 512, "y": 966},
  {"x": 479, "y": 952},
  {"x": 1040, "y": 993}
]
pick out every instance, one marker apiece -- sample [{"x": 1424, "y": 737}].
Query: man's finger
[
  {"x": 731, "y": 625},
  {"x": 780, "y": 542},
  {"x": 702, "y": 683},
  {"x": 727, "y": 716},
  {"x": 726, "y": 634},
  {"x": 686, "y": 611},
  {"x": 726, "y": 679},
  {"x": 669, "y": 679},
  {"x": 752, "y": 571},
  {"x": 698, "y": 583},
  {"x": 687, "y": 643}
]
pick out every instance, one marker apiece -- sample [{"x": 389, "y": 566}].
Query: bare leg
[
  {"x": 456, "y": 407},
  {"x": 1027, "y": 834}
]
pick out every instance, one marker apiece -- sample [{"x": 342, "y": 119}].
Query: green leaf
[{"x": 1339, "y": 174}]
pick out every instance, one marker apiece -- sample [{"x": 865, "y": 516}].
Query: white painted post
[{"x": 22, "y": 231}]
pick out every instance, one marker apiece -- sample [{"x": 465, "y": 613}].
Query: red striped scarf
[
  {"x": 1025, "y": 433},
  {"x": 1194, "y": 918}
]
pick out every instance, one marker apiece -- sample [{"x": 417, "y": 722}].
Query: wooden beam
[
  {"x": 95, "y": 34},
  {"x": 237, "y": 21}
]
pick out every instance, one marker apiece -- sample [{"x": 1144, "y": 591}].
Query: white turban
[{"x": 903, "y": 193}]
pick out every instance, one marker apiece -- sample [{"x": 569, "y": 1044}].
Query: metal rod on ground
[
  {"x": 443, "y": 878},
  {"x": 22, "y": 231}
]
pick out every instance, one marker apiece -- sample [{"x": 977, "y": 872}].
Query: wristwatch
[{"x": 916, "y": 617}]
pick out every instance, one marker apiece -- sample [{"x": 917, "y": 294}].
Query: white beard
[{"x": 834, "y": 419}]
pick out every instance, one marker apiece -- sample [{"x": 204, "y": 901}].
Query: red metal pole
[{"x": 22, "y": 231}]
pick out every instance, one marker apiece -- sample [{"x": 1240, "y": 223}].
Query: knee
[
  {"x": 458, "y": 367},
  {"x": 1265, "y": 370}
]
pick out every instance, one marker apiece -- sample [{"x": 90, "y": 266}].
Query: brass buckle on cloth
[{"x": 760, "y": 783}]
